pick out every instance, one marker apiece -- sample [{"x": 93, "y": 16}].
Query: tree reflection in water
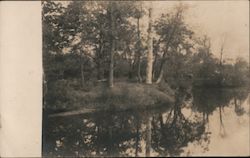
[
  {"x": 161, "y": 132},
  {"x": 206, "y": 101},
  {"x": 177, "y": 131}
]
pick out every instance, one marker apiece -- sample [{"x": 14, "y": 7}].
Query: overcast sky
[{"x": 216, "y": 18}]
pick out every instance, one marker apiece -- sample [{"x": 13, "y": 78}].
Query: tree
[
  {"x": 54, "y": 39},
  {"x": 221, "y": 58},
  {"x": 122, "y": 32},
  {"x": 138, "y": 15},
  {"x": 112, "y": 41},
  {"x": 173, "y": 34},
  {"x": 206, "y": 70},
  {"x": 77, "y": 21},
  {"x": 150, "y": 47},
  {"x": 240, "y": 74}
]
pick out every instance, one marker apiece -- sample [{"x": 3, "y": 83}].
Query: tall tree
[
  {"x": 116, "y": 33},
  {"x": 54, "y": 38},
  {"x": 221, "y": 58},
  {"x": 149, "y": 69},
  {"x": 138, "y": 16},
  {"x": 112, "y": 41},
  {"x": 78, "y": 26},
  {"x": 174, "y": 35}
]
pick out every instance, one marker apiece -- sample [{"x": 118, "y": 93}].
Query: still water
[{"x": 208, "y": 122}]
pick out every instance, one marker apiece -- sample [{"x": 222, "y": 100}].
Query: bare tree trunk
[
  {"x": 161, "y": 71},
  {"x": 99, "y": 73},
  {"x": 139, "y": 51},
  {"x": 161, "y": 120},
  {"x": 82, "y": 71},
  {"x": 111, "y": 66},
  {"x": 130, "y": 72},
  {"x": 150, "y": 49},
  {"x": 163, "y": 61},
  {"x": 154, "y": 66},
  {"x": 139, "y": 70},
  {"x": 130, "y": 59},
  {"x": 221, "y": 58},
  {"x": 221, "y": 70},
  {"x": 160, "y": 76},
  {"x": 99, "y": 58}
]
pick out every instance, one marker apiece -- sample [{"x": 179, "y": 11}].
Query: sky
[
  {"x": 217, "y": 19},
  {"x": 228, "y": 19}
]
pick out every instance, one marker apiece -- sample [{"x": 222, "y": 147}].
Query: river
[{"x": 210, "y": 121}]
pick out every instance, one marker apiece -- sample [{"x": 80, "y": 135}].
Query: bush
[{"x": 58, "y": 94}]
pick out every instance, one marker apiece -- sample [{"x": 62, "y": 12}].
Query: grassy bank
[{"x": 65, "y": 96}]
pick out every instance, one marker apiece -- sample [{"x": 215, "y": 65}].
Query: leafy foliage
[{"x": 78, "y": 37}]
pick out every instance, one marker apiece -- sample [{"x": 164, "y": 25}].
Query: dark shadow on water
[{"x": 138, "y": 133}]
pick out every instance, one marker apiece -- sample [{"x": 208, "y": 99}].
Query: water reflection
[
  {"x": 206, "y": 101},
  {"x": 162, "y": 132}
]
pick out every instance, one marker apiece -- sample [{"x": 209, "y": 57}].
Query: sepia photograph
[{"x": 145, "y": 78}]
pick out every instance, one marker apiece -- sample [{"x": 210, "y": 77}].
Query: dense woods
[{"x": 90, "y": 47}]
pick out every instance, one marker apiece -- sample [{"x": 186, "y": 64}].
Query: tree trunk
[
  {"x": 161, "y": 71},
  {"x": 139, "y": 69},
  {"x": 160, "y": 76},
  {"x": 99, "y": 59},
  {"x": 99, "y": 73},
  {"x": 130, "y": 59},
  {"x": 82, "y": 71},
  {"x": 130, "y": 72},
  {"x": 221, "y": 68},
  {"x": 150, "y": 49},
  {"x": 139, "y": 51},
  {"x": 161, "y": 120},
  {"x": 111, "y": 66},
  {"x": 154, "y": 66}
]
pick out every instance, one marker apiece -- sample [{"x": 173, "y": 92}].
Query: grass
[
  {"x": 134, "y": 95},
  {"x": 122, "y": 96}
]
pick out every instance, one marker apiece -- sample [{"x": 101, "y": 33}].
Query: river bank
[{"x": 123, "y": 96}]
